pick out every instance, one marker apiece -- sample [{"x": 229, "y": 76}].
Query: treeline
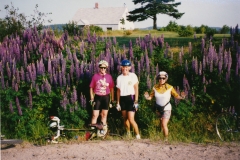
[{"x": 186, "y": 31}]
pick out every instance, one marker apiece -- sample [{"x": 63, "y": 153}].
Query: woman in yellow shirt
[{"x": 162, "y": 92}]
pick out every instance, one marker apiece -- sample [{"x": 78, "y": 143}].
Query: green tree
[
  {"x": 122, "y": 21},
  {"x": 71, "y": 28},
  {"x": 185, "y": 31},
  {"x": 150, "y": 9},
  {"x": 225, "y": 29},
  {"x": 15, "y": 22},
  {"x": 172, "y": 26}
]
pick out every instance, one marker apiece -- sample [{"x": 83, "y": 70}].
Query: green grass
[{"x": 172, "y": 38}]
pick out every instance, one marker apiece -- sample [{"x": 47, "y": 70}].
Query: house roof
[{"x": 110, "y": 15}]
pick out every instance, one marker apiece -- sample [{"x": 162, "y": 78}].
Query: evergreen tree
[{"x": 150, "y": 9}]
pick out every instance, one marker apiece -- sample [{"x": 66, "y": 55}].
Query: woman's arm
[
  {"x": 118, "y": 95},
  {"x": 91, "y": 94},
  {"x": 176, "y": 95},
  {"x": 136, "y": 92},
  {"x": 147, "y": 96}
]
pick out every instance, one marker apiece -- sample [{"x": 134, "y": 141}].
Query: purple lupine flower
[
  {"x": 11, "y": 107},
  {"x": 13, "y": 82},
  {"x": 190, "y": 48},
  {"x": 204, "y": 89},
  {"x": 200, "y": 68},
  {"x": 25, "y": 59},
  {"x": 22, "y": 74},
  {"x": 16, "y": 87},
  {"x": 2, "y": 80},
  {"x": 13, "y": 67},
  {"x": 149, "y": 83},
  {"x": 225, "y": 59},
  {"x": 204, "y": 79},
  {"x": 186, "y": 66},
  {"x": 68, "y": 79},
  {"x": 114, "y": 41},
  {"x": 131, "y": 52},
  {"x": 49, "y": 66},
  {"x": 196, "y": 66},
  {"x": 71, "y": 109},
  {"x": 139, "y": 69},
  {"x": 82, "y": 100},
  {"x": 211, "y": 66},
  {"x": 157, "y": 70},
  {"x": 64, "y": 81},
  {"x": 27, "y": 77},
  {"x": 18, "y": 106},
  {"x": 46, "y": 86},
  {"x": 8, "y": 71},
  {"x": 17, "y": 76},
  {"x": 64, "y": 100},
  {"x": 37, "y": 89},
  {"x": 204, "y": 63},
  {"x": 74, "y": 95},
  {"x": 55, "y": 79},
  {"x": 71, "y": 71},
  {"x": 180, "y": 58},
  {"x": 133, "y": 68}
]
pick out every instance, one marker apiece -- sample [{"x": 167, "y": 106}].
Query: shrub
[
  {"x": 185, "y": 31},
  {"x": 15, "y": 23},
  {"x": 210, "y": 32},
  {"x": 127, "y": 32},
  {"x": 72, "y": 28},
  {"x": 225, "y": 29},
  {"x": 96, "y": 29},
  {"x": 172, "y": 26}
]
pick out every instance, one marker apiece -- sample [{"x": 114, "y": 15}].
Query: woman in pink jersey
[
  {"x": 162, "y": 92},
  {"x": 101, "y": 90}
]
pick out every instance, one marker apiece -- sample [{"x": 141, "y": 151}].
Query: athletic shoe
[{"x": 138, "y": 136}]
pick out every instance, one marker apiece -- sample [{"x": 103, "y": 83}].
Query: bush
[
  {"x": 172, "y": 26},
  {"x": 225, "y": 29},
  {"x": 98, "y": 30},
  {"x": 186, "y": 31},
  {"x": 72, "y": 28},
  {"x": 210, "y": 32},
  {"x": 15, "y": 23},
  {"x": 127, "y": 32}
]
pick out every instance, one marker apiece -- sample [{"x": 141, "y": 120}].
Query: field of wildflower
[{"x": 44, "y": 75}]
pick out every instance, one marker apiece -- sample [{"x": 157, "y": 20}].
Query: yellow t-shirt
[{"x": 163, "y": 94}]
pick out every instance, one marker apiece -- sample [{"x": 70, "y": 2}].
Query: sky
[{"x": 213, "y": 13}]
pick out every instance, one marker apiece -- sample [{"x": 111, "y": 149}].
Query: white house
[{"x": 106, "y": 18}]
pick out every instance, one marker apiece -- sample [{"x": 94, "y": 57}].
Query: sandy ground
[{"x": 122, "y": 149}]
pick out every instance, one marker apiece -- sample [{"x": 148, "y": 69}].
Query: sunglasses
[
  {"x": 102, "y": 67},
  {"x": 162, "y": 78}
]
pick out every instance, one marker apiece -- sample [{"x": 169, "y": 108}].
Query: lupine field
[{"x": 43, "y": 75}]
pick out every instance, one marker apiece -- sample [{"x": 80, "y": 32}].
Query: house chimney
[{"x": 96, "y": 6}]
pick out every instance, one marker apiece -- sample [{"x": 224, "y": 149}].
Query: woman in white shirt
[{"x": 127, "y": 97}]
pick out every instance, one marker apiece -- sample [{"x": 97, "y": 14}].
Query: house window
[{"x": 109, "y": 28}]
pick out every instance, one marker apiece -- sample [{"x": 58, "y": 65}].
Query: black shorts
[
  {"x": 101, "y": 102},
  {"x": 126, "y": 103}
]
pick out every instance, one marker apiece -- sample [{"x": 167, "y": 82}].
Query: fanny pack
[{"x": 160, "y": 108}]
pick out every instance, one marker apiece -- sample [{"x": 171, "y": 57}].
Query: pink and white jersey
[{"x": 101, "y": 84}]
